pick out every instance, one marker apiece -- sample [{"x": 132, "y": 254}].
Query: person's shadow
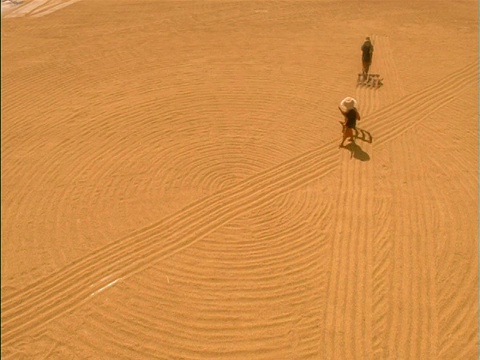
[{"x": 356, "y": 152}]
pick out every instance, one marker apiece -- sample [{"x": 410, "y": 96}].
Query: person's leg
[
  {"x": 348, "y": 134},
  {"x": 366, "y": 67}
]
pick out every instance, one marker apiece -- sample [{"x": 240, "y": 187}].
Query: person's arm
[
  {"x": 339, "y": 108},
  {"x": 358, "y": 115}
]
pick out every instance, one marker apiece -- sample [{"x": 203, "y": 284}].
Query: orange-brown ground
[{"x": 172, "y": 186}]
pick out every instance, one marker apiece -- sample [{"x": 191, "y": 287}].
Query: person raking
[{"x": 367, "y": 56}]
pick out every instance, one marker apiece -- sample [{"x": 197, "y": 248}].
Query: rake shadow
[{"x": 363, "y": 135}]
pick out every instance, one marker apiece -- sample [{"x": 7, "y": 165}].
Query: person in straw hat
[{"x": 348, "y": 107}]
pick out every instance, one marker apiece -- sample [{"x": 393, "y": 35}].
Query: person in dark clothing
[
  {"x": 367, "y": 55},
  {"x": 351, "y": 117}
]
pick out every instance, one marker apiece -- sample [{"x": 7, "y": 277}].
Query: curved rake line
[{"x": 51, "y": 297}]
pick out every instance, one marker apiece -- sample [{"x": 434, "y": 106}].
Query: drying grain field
[{"x": 172, "y": 186}]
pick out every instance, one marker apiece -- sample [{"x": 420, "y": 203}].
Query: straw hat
[{"x": 348, "y": 103}]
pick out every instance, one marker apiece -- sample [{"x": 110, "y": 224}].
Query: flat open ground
[{"x": 172, "y": 186}]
